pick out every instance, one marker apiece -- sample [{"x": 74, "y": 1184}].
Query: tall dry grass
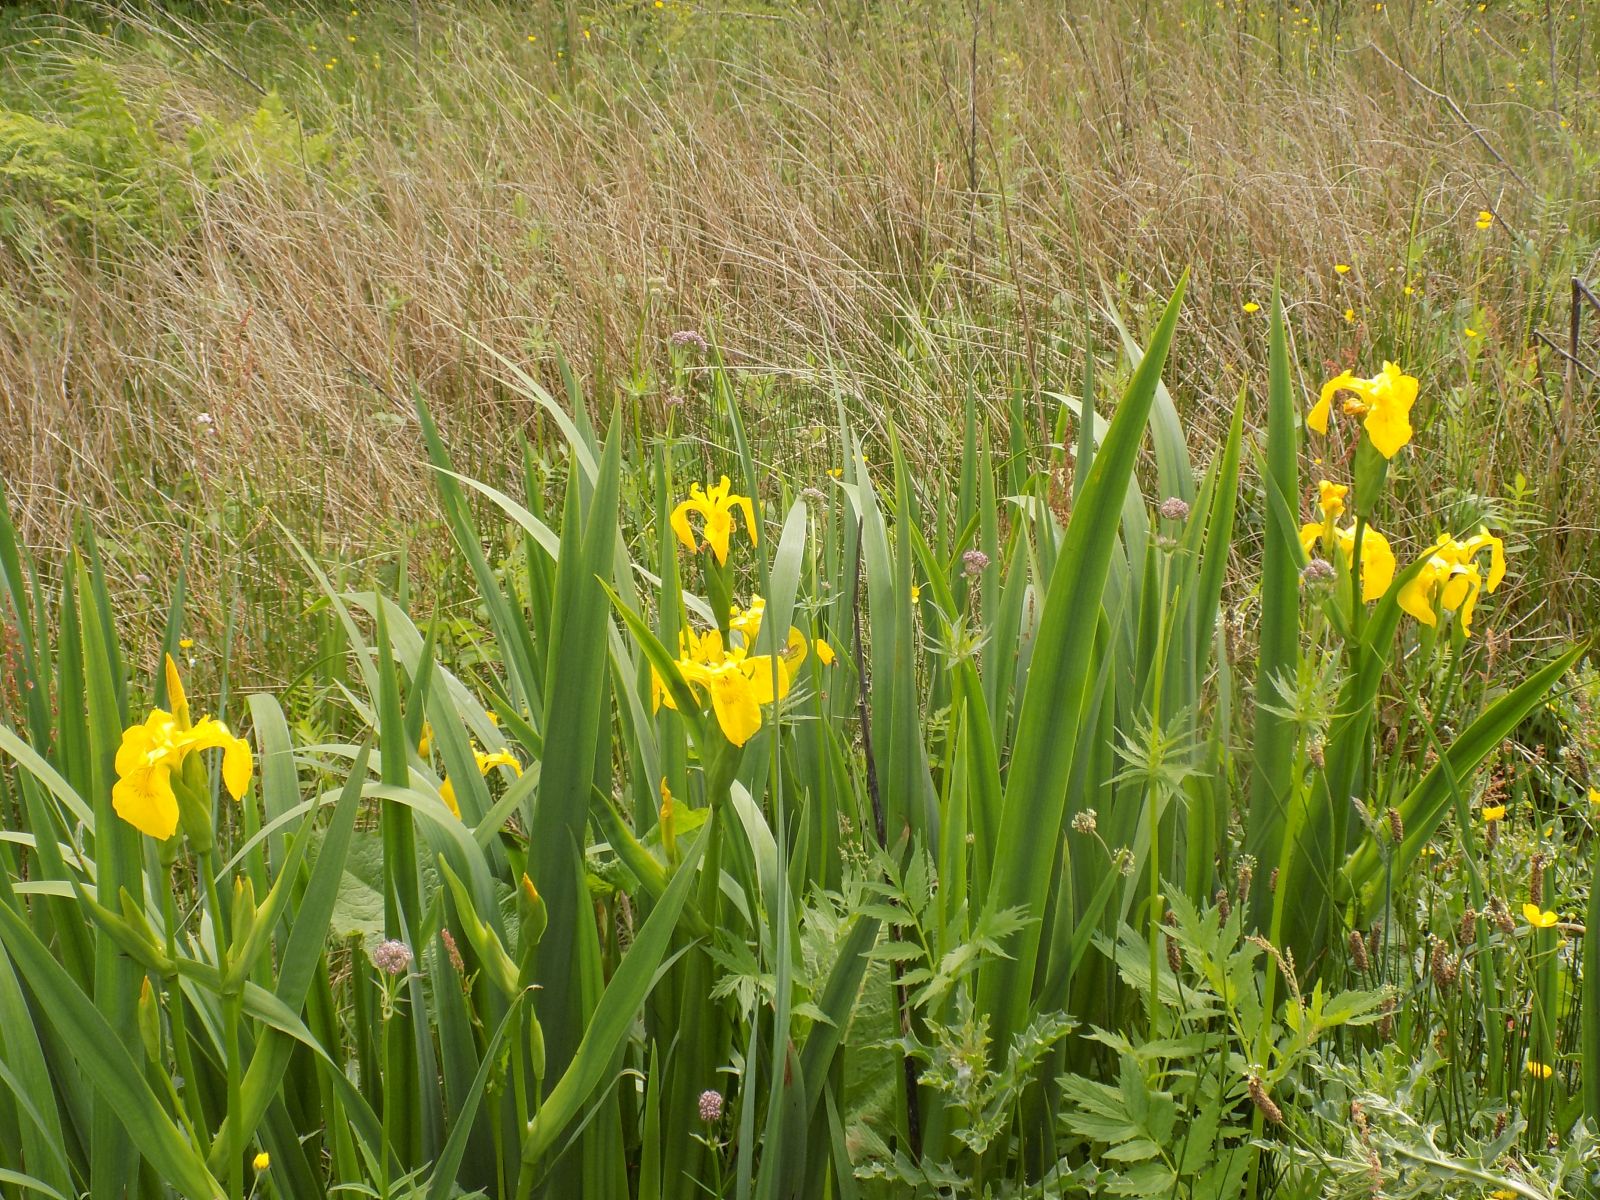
[{"x": 891, "y": 202}]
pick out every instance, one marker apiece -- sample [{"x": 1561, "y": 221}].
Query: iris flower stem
[
  {"x": 230, "y": 1017},
  {"x": 193, "y": 1114}
]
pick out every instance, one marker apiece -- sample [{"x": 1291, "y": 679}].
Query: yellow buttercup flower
[
  {"x": 1251, "y": 306},
  {"x": 826, "y": 655},
  {"x": 1450, "y": 579},
  {"x": 716, "y": 506},
  {"x": 1494, "y": 812},
  {"x": 1594, "y": 793},
  {"x": 1540, "y": 1070},
  {"x": 1383, "y": 402},
  {"x": 1485, "y": 218},
  {"x": 262, "y": 1161},
  {"x": 1377, "y": 559},
  {"x": 151, "y": 751},
  {"x": 1342, "y": 268},
  {"x": 1538, "y": 918}
]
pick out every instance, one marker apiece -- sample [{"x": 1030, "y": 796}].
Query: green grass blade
[
  {"x": 103, "y": 1057},
  {"x": 1052, "y": 704},
  {"x": 613, "y": 1017}
]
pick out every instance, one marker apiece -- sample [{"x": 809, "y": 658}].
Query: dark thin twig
[
  {"x": 1579, "y": 363},
  {"x": 1582, "y": 289},
  {"x": 913, "y": 1106}
]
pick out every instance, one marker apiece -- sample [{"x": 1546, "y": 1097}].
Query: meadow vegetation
[{"x": 844, "y": 600}]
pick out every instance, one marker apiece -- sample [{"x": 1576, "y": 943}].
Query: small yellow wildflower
[
  {"x": 262, "y": 1161},
  {"x": 185, "y": 643},
  {"x": 1540, "y": 1070},
  {"x": 1342, "y": 268},
  {"x": 1594, "y": 797},
  {"x": 1470, "y": 332},
  {"x": 1537, "y": 918},
  {"x": 1485, "y": 218},
  {"x": 916, "y": 593},
  {"x": 826, "y": 655},
  {"x": 715, "y": 506},
  {"x": 1383, "y": 402},
  {"x": 1494, "y": 812},
  {"x": 1251, "y": 306},
  {"x": 1350, "y": 316}
]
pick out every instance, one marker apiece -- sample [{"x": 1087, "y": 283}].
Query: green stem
[{"x": 193, "y": 1113}]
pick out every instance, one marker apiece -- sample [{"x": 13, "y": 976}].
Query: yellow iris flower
[
  {"x": 716, "y": 506},
  {"x": 736, "y": 682},
  {"x": 1383, "y": 402},
  {"x": 746, "y": 622},
  {"x": 151, "y": 751},
  {"x": 486, "y": 763},
  {"x": 1450, "y": 579},
  {"x": 1377, "y": 559}
]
